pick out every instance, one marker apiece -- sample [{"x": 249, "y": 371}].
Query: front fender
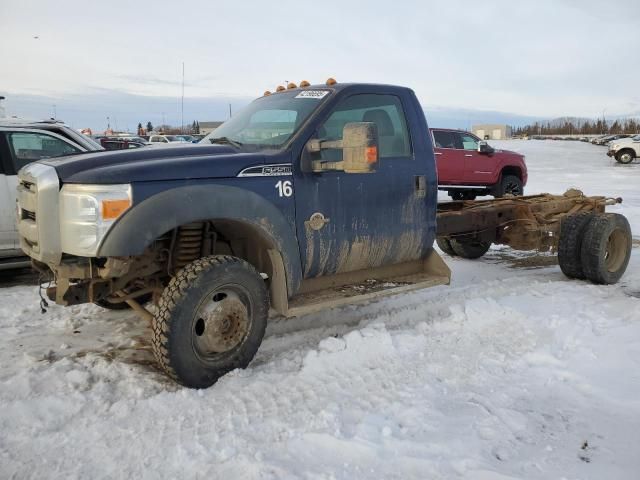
[{"x": 164, "y": 211}]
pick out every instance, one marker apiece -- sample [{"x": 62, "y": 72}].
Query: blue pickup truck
[
  {"x": 311, "y": 197},
  {"x": 307, "y": 189}
]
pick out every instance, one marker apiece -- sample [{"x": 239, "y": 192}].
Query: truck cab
[{"x": 306, "y": 189}]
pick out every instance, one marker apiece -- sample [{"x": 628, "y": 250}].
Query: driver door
[
  {"x": 353, "y": 221},
  {"x": 479, "y": 167}
]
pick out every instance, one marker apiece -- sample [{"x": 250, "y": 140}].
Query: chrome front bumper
[{"x": 37, "y": 212}]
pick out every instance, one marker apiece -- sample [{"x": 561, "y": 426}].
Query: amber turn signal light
[
  {"x": 112, "y": 209},
  {"x": 372, "y": 154}
]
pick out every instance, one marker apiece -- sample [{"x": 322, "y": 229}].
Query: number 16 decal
[{"x": 285, "y": 189}]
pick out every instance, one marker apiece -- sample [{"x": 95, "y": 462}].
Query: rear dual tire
[{"x": 595, "y": 247}]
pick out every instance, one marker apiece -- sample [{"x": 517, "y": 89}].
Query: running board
[
  {"x": 364, "y": 285},
  {"x": 11, "y": 263}
]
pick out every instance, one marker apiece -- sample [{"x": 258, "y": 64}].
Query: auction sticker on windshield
[{"x": 312, "y": 94}]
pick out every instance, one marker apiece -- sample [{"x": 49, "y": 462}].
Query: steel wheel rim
[
  {"x": 616, "y": 251},
  {"x": 625, "y": 157},
  {"x": 221, "y": 322},
  {"x": 512, "y": 188}
]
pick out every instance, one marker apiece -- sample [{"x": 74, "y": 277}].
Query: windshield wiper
[{"x": 226, "y": 141}]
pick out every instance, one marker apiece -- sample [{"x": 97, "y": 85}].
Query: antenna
[{"x": 182, "y": 103}]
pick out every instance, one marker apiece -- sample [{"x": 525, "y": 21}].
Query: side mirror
[
  {"x": 359, "y": 147},
  {"x": 484, "y": 147}
]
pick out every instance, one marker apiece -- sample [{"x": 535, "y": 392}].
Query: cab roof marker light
[
  {"x": 331, "y": 81},
  {"x": 291, "y": 86},
  {"x": 266, "y": 93},
  {"x": 280, "y": 88},
  {"x": 304, "y": 84}
]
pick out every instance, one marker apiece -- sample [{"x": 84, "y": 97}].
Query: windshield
[{"x": 268, "y": 122}]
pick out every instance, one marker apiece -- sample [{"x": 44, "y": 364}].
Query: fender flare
[{"x": 144, "y": 222}]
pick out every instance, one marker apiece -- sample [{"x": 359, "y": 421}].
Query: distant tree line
[
  {"x": 579, "y": 127},
  {"x": 169, "y": 130}
]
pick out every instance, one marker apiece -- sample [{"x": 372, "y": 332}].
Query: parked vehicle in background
[
  {"x": 121, "y": 143},
  {"x": 624, "y": 150},
  {"x": 54, "y": 126},
  {"x": 166, "y": 139},
  {"x": 468, "y": 166},
  {"x": 608, "y": 138},
  {"x": 21, "y": 143}
]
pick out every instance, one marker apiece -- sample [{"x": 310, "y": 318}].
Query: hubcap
[{"x": 221, "y": 322}]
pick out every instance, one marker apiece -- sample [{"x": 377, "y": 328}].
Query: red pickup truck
[{"x": 468, "y": 166}]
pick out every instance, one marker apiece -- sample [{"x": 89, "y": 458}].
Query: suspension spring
[{"x": 188, "y": 245}]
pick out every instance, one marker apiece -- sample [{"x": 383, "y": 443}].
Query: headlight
[
  {"x": 614, "y": 147},
  {"x": 86, "y": 214}
]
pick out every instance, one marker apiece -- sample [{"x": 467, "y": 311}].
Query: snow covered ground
[{"x": 513, "y": 371}]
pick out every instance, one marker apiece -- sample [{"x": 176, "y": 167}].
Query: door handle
[
  {"x": 468, "y": 155},
  {"x": 437, "y": 153},
  {"x": 420, "y": 185}
]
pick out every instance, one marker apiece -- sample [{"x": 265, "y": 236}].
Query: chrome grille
[{"x": 37, "y": 212}]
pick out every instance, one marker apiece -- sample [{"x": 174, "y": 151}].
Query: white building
[
  {"x": 208, "y": 127},
  {"x": 492, "y": 131}
]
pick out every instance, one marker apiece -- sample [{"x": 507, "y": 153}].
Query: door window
[
  {"x": 469, "y": 142},
  {"x": 27, "y": 147},
  {"x": 383, "y": 110},
  {"x": 447, "y": 139}
]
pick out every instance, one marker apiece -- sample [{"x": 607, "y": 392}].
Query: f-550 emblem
[{"x": 267, "y": 170}]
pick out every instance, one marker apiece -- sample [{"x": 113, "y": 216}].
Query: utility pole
[
  {"x": 182, "y": 103},
  {"x": 55, "y": 113},
  {"x": 229, "y": 110}
]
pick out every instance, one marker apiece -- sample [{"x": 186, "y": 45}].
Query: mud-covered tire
[
  {"x": 509, "y": 185},
  {"x": 625, "y": 156},
  {"x": 122, "y": 305},
  {"x": 606, "y": 248},
  {"x": 445, "y": 245},
  {"x": 469, "y": 248},
  {"x": 572, "y": 231},
  {"x": 196, "y": 310}
]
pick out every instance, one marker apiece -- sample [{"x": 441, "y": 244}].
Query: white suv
[
  {"x": 625, "y": 149},
  {"x": 20, "y": 144}
]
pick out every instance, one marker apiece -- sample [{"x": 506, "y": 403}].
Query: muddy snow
[{"x": 513, "y": 371}]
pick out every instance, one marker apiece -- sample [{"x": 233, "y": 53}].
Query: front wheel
[
  {"x": 509, "y": 185},
  {"x": 211, "y": 319},
  {"x": 625, "y": 156}
]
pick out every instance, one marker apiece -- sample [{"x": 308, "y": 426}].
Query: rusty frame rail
[{"x": 524, "y": 223}]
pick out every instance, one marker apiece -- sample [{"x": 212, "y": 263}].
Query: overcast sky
[{"x": 544, "y": 59}]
